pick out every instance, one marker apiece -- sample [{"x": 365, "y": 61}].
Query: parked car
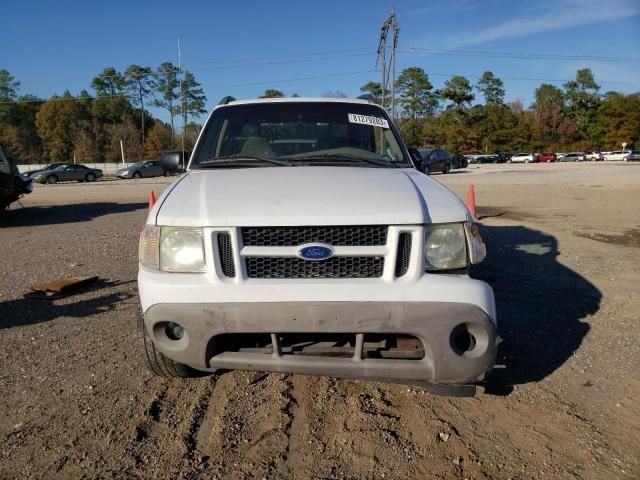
[
  {"x": 616, "y": 155},
  {"x": 13, "y": 185},
  {"x": 433, "y": 160},
  {"x": 144, "y": 168},
  {"x": 634, "y": 156},
  {"x": 51, "y": 166},
  {"x": 488, "y": 159},
  {"x": 546, "y": 157},
  {"x": 353, "y": 264},
  {"x": 522, "y": 158},
  {"x": 573, "y": 157},
  {"x": 67, "y": 173},
  {"x": 459, "y": 161},
  {"x": 559, "y": 155},
  {"x": 594, "y": 156}
]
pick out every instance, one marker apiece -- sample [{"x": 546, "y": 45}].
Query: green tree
[
  {"x": 139, "y": 83},
  {"x": 415, "y": 93},
  {"x": 374, "y": 89},
  {"x": 109, "y": 83},
  {"x": 192, "y": 98},
  {"x": 272, "y": 93},
  {"x": 547, "y": 94},
  {"x": 167, "y": 86},
  {"x": 491, "y": 87},
  {"x": 9, "y": 86},
  {"x": 458, "y": 90},
  {"x": 581, "y": 104}
]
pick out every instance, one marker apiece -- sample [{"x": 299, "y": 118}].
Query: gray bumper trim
[{"x": 431, "y": 322}]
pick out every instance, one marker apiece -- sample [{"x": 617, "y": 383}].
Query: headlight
[
  {"x": 181, "y": 249},
  {"x": 172, "y": 249},
  {"x": 445, "y": 247}
]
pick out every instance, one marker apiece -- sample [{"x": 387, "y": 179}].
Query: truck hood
[{"x": 287, "y": 196}]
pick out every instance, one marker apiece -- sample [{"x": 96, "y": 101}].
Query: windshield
[{"x": 299, "y": 133}]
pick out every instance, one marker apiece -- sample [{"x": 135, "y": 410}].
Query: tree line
[
  {"x": 575, "y": 117},
  {"x": 90, "y": 127}
]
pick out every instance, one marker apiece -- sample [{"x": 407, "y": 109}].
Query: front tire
[
  {"x": 155, "y": 361},
  {"x": 51, "y": 179},
  {"x": 426, "y": 170},
  {"x": 447, "y": 168},
  {"x": 136, "y": 175},
  {"x": 90, "y": 177}
]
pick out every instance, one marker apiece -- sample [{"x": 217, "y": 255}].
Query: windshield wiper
[
  {"x": 223, "y": 160},
  {"x": 337, "y": 157}
]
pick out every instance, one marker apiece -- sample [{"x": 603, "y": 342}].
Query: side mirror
[
  {"x": 415, "y": 157},
  {"x": 174, "y": 160}
]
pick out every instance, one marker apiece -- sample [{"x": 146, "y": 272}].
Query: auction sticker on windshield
[{"x": 366, "y": 120}]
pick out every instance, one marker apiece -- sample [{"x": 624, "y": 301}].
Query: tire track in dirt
[{"x": 245, "y": 430}]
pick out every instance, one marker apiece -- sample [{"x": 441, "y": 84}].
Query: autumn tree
[
  {"x": 491, "y": 88},
  {"x": 159, "y": 140},
  {"x": 58, "y": 121}
]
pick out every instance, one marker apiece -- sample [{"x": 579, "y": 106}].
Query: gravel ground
[{"x": 564, "y": 261}]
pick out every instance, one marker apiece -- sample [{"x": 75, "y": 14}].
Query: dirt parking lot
[{"x": 564, "y": 262}]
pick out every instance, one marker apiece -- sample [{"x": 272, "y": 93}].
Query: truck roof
[{"x": 298, "y": 99}]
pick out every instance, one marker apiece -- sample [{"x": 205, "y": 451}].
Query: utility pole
[
  {"x": 182, "y": 113},
  {"x": 389, "y": 23}
]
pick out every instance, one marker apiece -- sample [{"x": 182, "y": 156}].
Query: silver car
[{"x": 144, "y": 168}]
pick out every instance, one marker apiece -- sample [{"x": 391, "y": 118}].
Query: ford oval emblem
[{"x": 315, "y": 252}]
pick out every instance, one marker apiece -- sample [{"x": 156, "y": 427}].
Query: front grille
[
  {"x": 335, "y": 267},
  {"x": 404, "y": 254},
  {"x": 352, "y": 236},
  {"x": 225, "y": 251}
]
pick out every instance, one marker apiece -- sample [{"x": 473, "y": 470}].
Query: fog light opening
[
  {"x": 462, "y": 341},
  {"x": 174, "y": 331}
]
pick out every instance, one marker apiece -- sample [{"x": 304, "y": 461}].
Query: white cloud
[{"x": 565, "y": 14}]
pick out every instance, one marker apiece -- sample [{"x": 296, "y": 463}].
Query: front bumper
[{"x": 432, "y": 323}]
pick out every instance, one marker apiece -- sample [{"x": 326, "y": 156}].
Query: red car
[{"x": 547, "y": 157}]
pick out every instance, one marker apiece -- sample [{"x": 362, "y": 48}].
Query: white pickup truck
[{"x": 302, "y": 239}]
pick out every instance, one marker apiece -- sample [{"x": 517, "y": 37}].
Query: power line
[{"x": 525, "y": 56}]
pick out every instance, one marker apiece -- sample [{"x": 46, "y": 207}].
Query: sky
[{"x": 311, "y": 48}]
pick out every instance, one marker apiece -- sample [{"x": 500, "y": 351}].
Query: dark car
[
  {"x": 634, "y": 156},
  {"x": 488, "y": 159},
  {"x": 12, "y": 184},
  {"x": 66, "y": 173},
  {"x": 51, "y": 166},
  {"x": 433, "y": 160},
  {"x": 459, "y": 161},
  {"x": 573, "y": 157},
  {"x": 145, "y": 168}
]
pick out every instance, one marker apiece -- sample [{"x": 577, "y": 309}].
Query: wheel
[
  {"x": 136, "y": 175},
  {"x": 426, "y": 170},
  {"x": 91, "y": 177},
  {"x": 447, "y": 168},
  {"x": 156, "y": 362},
  {"x": 52, "y": 179},
  {"x": 165, "y": 173}
]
